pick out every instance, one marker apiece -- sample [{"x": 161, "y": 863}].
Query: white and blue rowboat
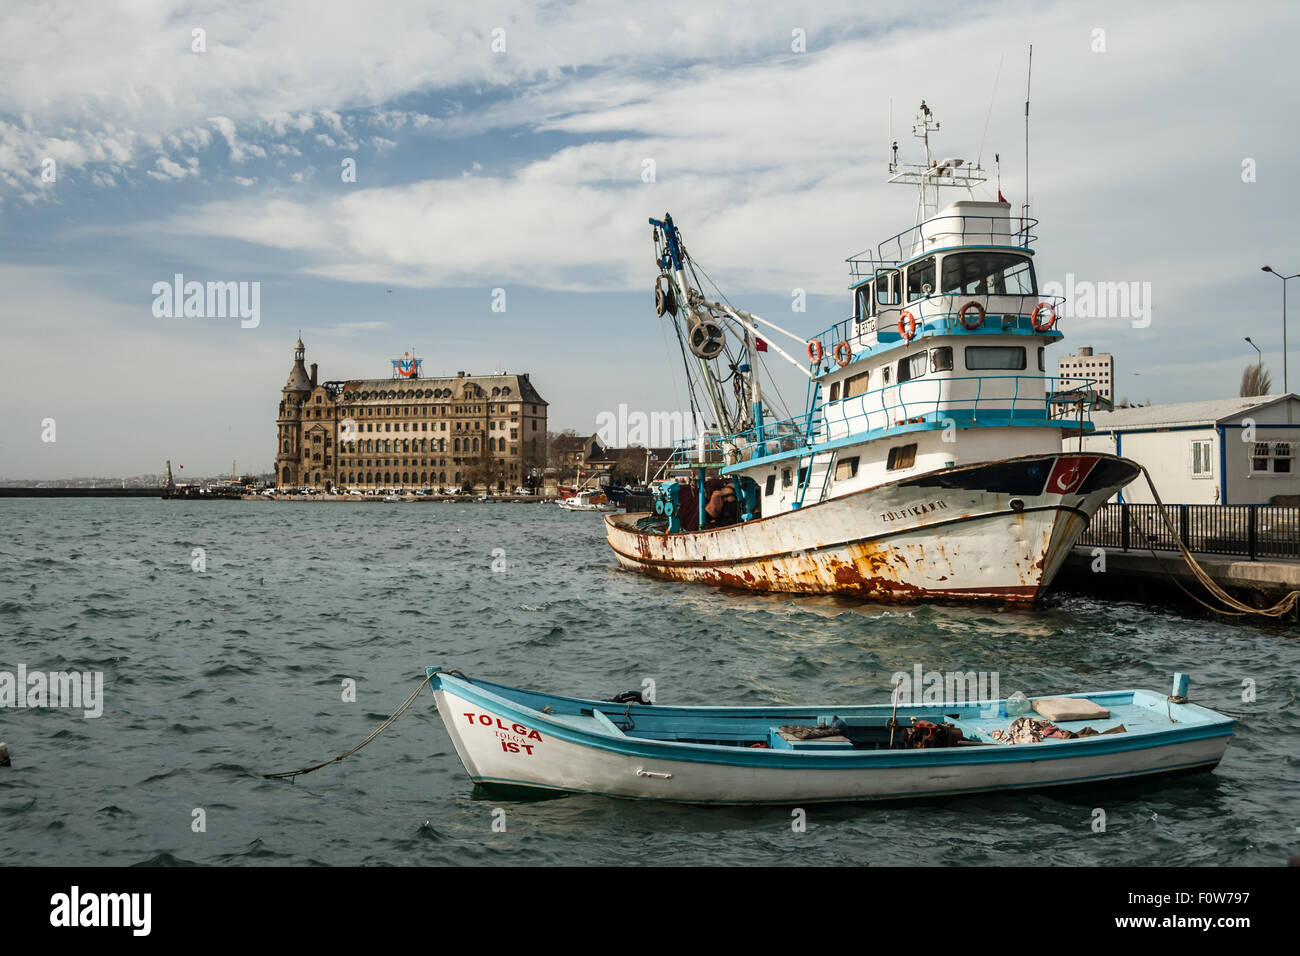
[{"x": 526, "y": 742}]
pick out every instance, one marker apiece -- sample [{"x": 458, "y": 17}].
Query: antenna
[
  {"x": 893, "y": 165},
  {"x": 992, "y": 97},
  {"x": 1028, "y": 79}
]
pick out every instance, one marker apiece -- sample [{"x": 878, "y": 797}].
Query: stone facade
[{"x": 479, "y": 432}]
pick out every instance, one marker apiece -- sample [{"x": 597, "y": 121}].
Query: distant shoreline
[{"x": 19, "y": 492}]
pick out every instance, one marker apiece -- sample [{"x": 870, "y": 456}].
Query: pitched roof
[{"x": 1182, "y": 413}]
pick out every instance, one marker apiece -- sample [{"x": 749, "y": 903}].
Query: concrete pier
[{"x": 1141, "y": 575}]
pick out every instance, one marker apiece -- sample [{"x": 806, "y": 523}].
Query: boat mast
[{"x": 704, "y": 336}]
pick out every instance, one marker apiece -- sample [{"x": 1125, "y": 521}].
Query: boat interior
[{"x": 852, "y": 728}]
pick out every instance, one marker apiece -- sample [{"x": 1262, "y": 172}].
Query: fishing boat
[
  {"x": 530, "y": 742},
  {"x": 588, "y": 501},
  {"x": 931, "y": 460}
]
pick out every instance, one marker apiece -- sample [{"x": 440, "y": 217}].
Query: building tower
[{"x": 288, "y": 448}]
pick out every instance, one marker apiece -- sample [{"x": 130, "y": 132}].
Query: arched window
[
  {"x": 476, "y": 444},
  {"x": 457, "y": 444}
]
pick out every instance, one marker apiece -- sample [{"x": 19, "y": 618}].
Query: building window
[
  {"x": 1202, "y": 465},
  {"x": 1271, "y": 458},
  {"x": 902, "y": 456}
]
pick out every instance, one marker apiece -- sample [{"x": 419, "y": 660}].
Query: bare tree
[{"x": 1255, "y": 380}]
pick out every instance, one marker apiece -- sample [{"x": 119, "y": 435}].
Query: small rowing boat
[{"x": 530, "y": 742}]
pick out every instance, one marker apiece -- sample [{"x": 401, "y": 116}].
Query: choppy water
[{"x": 213, "y": 678}]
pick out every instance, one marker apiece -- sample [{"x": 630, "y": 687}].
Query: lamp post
[
  {"x": 1285, "y": 387},
  {"x": 1256, "y": 348}
]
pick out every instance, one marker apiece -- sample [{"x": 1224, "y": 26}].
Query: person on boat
[{"x": 720, "y": 509}]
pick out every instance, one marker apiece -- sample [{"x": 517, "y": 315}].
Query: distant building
[
  {"x": 571, "y": 455},
  {"x": 1098, "y": 368},
  {"x": 486, "y": 432},
  {"x": 1227, "y": 451}
]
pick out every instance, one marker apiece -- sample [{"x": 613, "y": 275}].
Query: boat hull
[
  {"x": 997, "y": 531},
  {"x": 513, "y": 748}
]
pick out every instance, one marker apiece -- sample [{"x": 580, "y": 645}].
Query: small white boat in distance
[
  {"x": 525, "y": 742},
  {"x": 587, "y": 501}
]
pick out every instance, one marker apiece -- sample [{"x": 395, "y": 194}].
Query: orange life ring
[
  {"x": 847, "y": 356},
  {"x": 961, "y": 315},
  {"x": 909, "y": 331},
  {"x": 1043, "y": 326},
  {"x": 815, "y": 352}
]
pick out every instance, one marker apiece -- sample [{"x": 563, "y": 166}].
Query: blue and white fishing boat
[
  {"x": 530, "y": 742},
  {"x": 930, "y": 460}
]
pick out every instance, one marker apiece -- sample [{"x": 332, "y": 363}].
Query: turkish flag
[
  {"x": 760, "y": 345},
  {"x": 1068, "y": 474}
]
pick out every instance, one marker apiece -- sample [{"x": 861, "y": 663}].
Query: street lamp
[
  {"x": 1256, "y": 348},
  {"x": 1285, "y": 387}
]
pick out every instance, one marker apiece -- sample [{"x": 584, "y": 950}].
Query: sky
[{"x": 379, "y": 171}]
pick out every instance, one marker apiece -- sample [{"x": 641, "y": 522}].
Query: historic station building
[{"x": 478, "y": 432}]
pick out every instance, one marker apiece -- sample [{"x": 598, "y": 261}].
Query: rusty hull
[{"x": 906, "y": 541}]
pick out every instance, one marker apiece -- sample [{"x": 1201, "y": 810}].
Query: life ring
[
  {"x": 961, "y": 315},
  {"x": 1043, "y": 326},
  {"x": 907, "y": 326},
  {"x": 815, "y": 352},
  {"x": 843, "y": 347}
]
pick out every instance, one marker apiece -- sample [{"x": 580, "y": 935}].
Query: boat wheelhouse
[{"x": 929, "y": 459}]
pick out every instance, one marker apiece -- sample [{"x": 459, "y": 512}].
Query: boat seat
[
  {"x": 780, "y": 740},
  {"x": 607, "y": 724}
]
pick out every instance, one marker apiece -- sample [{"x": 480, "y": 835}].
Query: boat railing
[
  {"x": 962, "y": 401},
  {"x": 941, "y": 232},
  {"x": 947, "y": 313}
]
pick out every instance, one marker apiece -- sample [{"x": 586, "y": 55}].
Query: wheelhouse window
[
  {"x": 1042, "y": 367},
  {"x": 920, "y": 279},
  {"x": 1005, "y": 357},
  {"x": 902, "y": 456},
  {"x": 846, "y": 468},
  {"x": 771, "y": 485},
  {"x": 835, "y": 392},
  {"x": 864, "y": 302},
  {"x": 988, "y": 273},
  {"x": 888, "y": 288},
  {"x": 912, "y": 367},
  {"x": 941, "y": 359}
]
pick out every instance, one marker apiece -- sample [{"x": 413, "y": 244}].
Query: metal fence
[{"x": 1251, "y": 531}]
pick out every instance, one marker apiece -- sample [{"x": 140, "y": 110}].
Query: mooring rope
[
  {"x": 1280, "y": 609},
  {"x": 379, "y": 730}
]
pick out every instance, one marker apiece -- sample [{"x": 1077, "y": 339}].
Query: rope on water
[
  {"x": 1280, "y": 609},
  {"x": 379, "y": 730}
]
